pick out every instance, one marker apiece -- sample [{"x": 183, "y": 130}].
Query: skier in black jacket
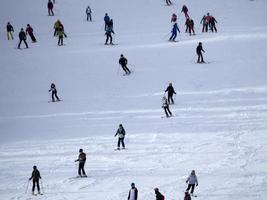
[
  {"x": 170, "y": 91},
  {"x": 9, "y": 30},
  {"x": 35, "y": 179},
  {"x": 22, "y": 37},
  {"x": 159, "y": 196},
  {"x": 133, "y": 193},
  {"x": 82, "y": 160},
  {"x": 54, "y": 92},
  {"x": 199, "y": 53},
  {"x": 123, "y": 62},
  {"x": 121, "y": 134}
]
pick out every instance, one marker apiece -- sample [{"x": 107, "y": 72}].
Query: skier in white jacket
[
  {"x": 133, "y": 193},
  {"x": 192, "y": 182}
]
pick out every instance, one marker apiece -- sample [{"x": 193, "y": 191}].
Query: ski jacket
[
  {"x": 35, "y": 175},
  {"x": 159, "y": 196},
  {"x": 208, "y": 18},
  {"x": 204, "y": 20},
  {"x": 109, "y": 31},
  {"x": 184, "y": 9},
  {"x": 120, "y": 132},
  {"x": 88, "y": 10},
  {"x": 29, "y": 30},
  {"x": 175, "y": 29},
  {"x": 82, "y": 157},
  {"x": 106, "y": 18},
  {"x": 133, "y": 194},
  {"x": 199, "y": 49},
  {"x": 50, "y": 5},
  {"x": 213, "y": 21},
  {"x": 170, "y": 90},
  {"x": 123, "y": 61},
  {"x": 192, "y": 180},
  {"x": 9, "y": 28},
  {"x": 22, "y": 35},
  {"x": 57, "y": 24}
]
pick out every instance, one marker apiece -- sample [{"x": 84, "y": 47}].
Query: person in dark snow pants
[
  {"x": 168, "y": 2},
  {"x": 50, "y": 7},
  {"x": 192, "y": 182},
  {"x": 123, "y": 62},
  {"x": 29, "y": 30},
  {"x": 88, "y": 12},
  {"x": 81, "y": 159},
  {"x": 199, "y": 53},
  {"x": 159, "y": 196},
  {"x": 165, "y": 106},
  {"x": 35, "y": 179},
  {"x": 133, "y": 193},
  {"x": 121, "y": 135},
  {"x": 108, "y": 35},
  {"x": 22, "y": 37},
  {"x": 174, "y": 32},
  {"x": 106, "y": 20},
  {"x": 54, "y": 92},
  {"x": 170, "y": 91}
]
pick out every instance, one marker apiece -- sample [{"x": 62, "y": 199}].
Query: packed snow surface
[{"x": 219, "y": 127}]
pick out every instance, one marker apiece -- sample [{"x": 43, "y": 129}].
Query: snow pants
[
  {"x": 35, "y": 182},
  {"x": 167, "y": 111},
  {"x": 170, "y": 99},
  {"x": 192, "y": 186},
  {"x": 200, "y": 58},
  {"x": 24, "y": 43},
  {"x": 32, "y": 37},
  {"x": 191, "y": 30},
  {"x": 54, "y": 94},
  {"x": 213, "y": 28},
  {"x": 50, "y": 12},
  {"x": 168, "y": 2},
  {"x": 108, "y": 36},
  {"x": 9, "y": 35},
  {"x": 121, "y": 141},
  {"x": 60, "y": 40},
  {"x": 81, "y": 168},
  {"x": 89, "y": 17},
  {"x": 173, "y": 36},
  {"x": 125, "y": 68}
]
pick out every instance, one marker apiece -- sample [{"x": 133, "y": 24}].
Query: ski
[{"x": 50, "y": 101}]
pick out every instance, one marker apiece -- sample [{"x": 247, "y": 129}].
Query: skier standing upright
[
  {"x": 29, "y": 30},
  {"x": 22, "y": 37},
  {"x": 123, "y": 62},
  {"x": 54, "y": 92},
  {"x": 50, "y": 7},
  {"x": 133, "y": 193},
  {"x": 212, "y": 24},
  {"x": 192, "y": 182},
  {"x": 106, "y": 20},
  {"x": 88, "y": 12},
  {"x": 9, "y": 30},
  {"x": 35, "y": 179},
  {"x": 159, "y": 196},
  {"x": 170, "y": 91},
  {"x": 81, "y": 159},
  {"x": 205, "y": 24},
  {"x": 108, "y": 33},
  {"x": 121, "y": 135},
  {"x": 61, "y": 35},
  {"x": 165, "y": 106},
  {"x": 199, "y": 53},
  {"x": 174, "y": 32}
]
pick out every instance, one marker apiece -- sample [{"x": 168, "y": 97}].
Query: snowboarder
[
  {"x": 174, "y": 18},
  {"x": 199, "y": 53},
  {"x": 88, "y": 12},
  {"x": 165, "y": 106},
  {"x": 9, "y": 30},
  {"x": 174, "y": 32},
  {"x": 54, "y": 92},
  {"x": 108, "y": 35},
  {"x": 185, "y": 11},
  {"x": 121, "y": 135},
  {"x": 170, "y": 91},
  {"x": 35, "y": 179},
  {"x": 192, "y": 182},
  {"x": 212, "y": 24},
  {"x": 82, "y": 160},
  {"x": 168, "y": 2},
  {"x": 50, "y": 7},
  {"x": 205, "y": 24},
  {"x": 22, "y": 37},
  {"x": 106, "y": 20},
  {"x": 123, "y": 62},
  {"x": 61, "y": 35},
  {"x": 159, "y": 196},
  {"x": 29, "y": 30},
  {"x": 187, "y": 196},
  {"x": 133, "y": 193}
]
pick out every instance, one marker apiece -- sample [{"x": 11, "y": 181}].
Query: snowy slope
[{"x": 219, "y": 128}]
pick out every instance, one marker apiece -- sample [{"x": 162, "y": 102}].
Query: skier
[
  {"x": 192, "y": 182},
  {"x": 54, "y": 92},
  {"x": 170, "y": 91},
  {"x": 133, "y": 193},
  {"x": 22, "y": 37},
  {"x": 190, "y": 24},
  {"x": 212, "y": 24},
  {"x": 56, "y": 26},
  {"x": 165, "y": 106},
  {"x": 50, "y": 8},
  {"x": 82, "y": 160},
  {"x": 106, "y": 20},
  {"x": 204, "y": 23},
  {"x": 168, "y": 2},
  {"x": 108, "y": 35},
  {"x": 199, "y": 53},
  {"x": 208, "y": 19},
  {"x": 159, "y": 196},
  {"x": 9, "y": 30},
  {"x": 110, "y": 23},
  {"x": 123, "y": 62},
  {"x": 61, "y": 34},
  {"x": 174, "y": 18},
  {"x": 187, "y": 196},
  {"x": 88, "y": 13},
  {"x": 185, "y": 11},
  {"x": 121, "y": 134},
  {"x": 29, "y": 30},
  {"x": 174, "y": 32},
  {"x": 35, "y": 179}
]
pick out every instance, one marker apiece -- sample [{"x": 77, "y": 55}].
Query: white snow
[{"x": 220, "y": 123}]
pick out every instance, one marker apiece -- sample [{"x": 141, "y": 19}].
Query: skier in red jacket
[{"x": 29, "y": 30}]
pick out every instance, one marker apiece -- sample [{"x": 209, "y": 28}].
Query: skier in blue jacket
[
  {"x": 174, "y": 32},
  {"x": 106, "y": 20}
]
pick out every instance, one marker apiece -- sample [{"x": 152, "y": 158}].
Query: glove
[
  {"x": 196, "y": 184},
  {"x": 29, "y": 179}
]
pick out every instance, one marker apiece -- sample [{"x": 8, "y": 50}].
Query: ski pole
[{"x": 28, "y": 182}]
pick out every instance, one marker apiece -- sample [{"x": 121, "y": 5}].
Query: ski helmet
[{"x": 81, "y": 150}]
